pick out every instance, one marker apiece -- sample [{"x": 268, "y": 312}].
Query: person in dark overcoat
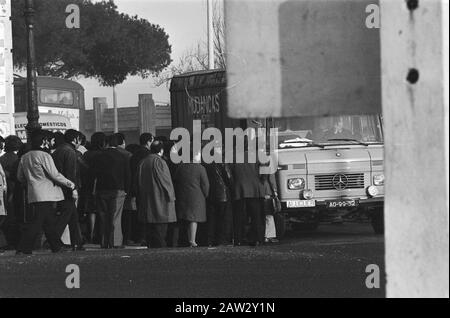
[
  {"x": 10, "y": 162},
  {"x": 156, "y": 196},
  {"x": 191, "y": 189},
  {"x": 145, "y": 142},
  {"x": 247, "y": 193},
  {"x": 219, "y": 199},
  {"x": 89, "y": 180}
]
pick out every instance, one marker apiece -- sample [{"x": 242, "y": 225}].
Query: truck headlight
[
  {"x": 378, "y": 180},
  {"x": 372, "y": 191},
  {"x": 308, "y": 194},
  {"x": 296, "y": 184}
]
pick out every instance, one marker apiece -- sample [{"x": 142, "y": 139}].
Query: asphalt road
[{"x": 328, "y": 263}]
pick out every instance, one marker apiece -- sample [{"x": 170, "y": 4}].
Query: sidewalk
[{"x": 89, "y": 248}]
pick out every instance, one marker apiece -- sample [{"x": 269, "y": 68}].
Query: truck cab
[{"x": 330, "y": 168}]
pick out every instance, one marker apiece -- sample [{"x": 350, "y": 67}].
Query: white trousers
[{"x": 271, "y": 232}]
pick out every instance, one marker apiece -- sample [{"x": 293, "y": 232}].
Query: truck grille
[{"x": 339, "y": 181}]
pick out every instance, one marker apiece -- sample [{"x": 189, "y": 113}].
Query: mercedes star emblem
[{"x": 340, "y": 181}]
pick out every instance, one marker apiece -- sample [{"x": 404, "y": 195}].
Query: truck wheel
[
  {"x": 280, "y": 224},
  {"x": 377, "y": 218}
]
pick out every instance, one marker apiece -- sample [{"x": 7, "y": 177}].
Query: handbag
[
  {"x": 272, "y": 205},
  {"x": 276, "y": 204}
]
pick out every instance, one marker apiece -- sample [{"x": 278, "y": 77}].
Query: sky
[{"x": 186, "y": 24}]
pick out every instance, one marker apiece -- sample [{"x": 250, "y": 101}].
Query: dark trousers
[
  {"x": 11, "y": 229},
  {"x": 131, "y": 226},
  {"x": 219, "y": 223},
  {"x": 127, "y": 225},
  {"x": 40, "y": 216},
  {"x": 68, "y": 215},
  {"x": 156, "y": 234},
  {"x": 2, "y": 221},
  {"x": 139, "y": 233},
  {"x": 110, "y": 207},
  {"x": 244, "y": 208},
  {"x": 15, "y": 217},
  {"x": 173, "y": 234}
]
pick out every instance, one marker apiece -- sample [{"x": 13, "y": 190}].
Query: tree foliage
[{"x": 108, "y": 46}]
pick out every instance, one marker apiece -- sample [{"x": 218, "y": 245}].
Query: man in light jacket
[{"x": 43, "y": 183}]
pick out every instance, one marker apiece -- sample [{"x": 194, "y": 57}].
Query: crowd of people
[{"x": 113, "y": 194}]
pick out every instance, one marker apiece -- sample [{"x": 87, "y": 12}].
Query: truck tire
[
  {"x": 280, "y": 224},
  {"x": 377, "y": 218}
]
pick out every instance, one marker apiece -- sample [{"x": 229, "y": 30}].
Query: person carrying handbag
[{"x": 271, "y": 205}]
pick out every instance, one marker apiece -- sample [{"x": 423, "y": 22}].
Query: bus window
[{"x": 53, "y": 96}]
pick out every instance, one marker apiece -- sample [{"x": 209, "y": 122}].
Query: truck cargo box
[{"x": 201, "y": 96}]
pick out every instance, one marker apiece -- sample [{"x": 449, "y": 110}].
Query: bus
[{"x": 60, "y": 104}]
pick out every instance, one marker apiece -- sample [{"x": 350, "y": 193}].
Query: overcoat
[
  {"x": 246, "y": 181},
  {"x": 156, "y": 195},
  {"x": 191, "y": 188}
]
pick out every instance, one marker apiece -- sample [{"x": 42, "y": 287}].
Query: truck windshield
[{"x": 311, "y": 131}]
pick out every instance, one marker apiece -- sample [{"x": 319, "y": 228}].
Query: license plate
[
  {"x": 301, "y": 203},
  {"x": 342, "y": 204}
]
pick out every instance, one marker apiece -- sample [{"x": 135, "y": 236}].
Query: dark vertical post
[{"x": 32, "y": 106}]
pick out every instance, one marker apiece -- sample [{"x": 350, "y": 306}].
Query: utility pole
[
  {"x": 32, "y": 103},
  {"x": 211, "y": 65},
  {"x": 116, "y": 116}
]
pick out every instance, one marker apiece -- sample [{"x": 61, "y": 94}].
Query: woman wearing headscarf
[{"x": 191, "y": 191}]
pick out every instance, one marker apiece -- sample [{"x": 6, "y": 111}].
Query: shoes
[
  {"x": 18, "y": 253},
  {"x": 129, "y": 243},
  {"x": 62, "y": 249},
  {"x": 224, "y": 244},
  {"x": 46, "y": 245},
  {"x": 272, "y": 240},
  {"x": 193, "y": 244},
  {"x": 78, "y": 248}
]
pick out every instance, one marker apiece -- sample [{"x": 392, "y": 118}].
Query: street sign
[{"x": 302, "y": 58}]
